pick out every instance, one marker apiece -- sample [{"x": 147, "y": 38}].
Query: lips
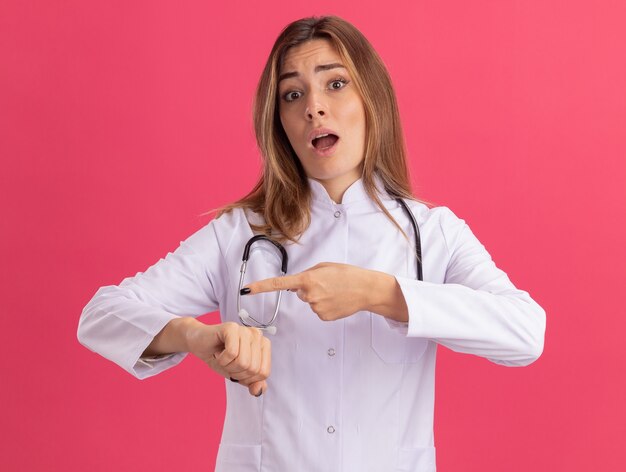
[{"x": 323, "y": 140}]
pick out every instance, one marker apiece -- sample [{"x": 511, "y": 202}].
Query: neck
[{"x": 337, "y": 187}]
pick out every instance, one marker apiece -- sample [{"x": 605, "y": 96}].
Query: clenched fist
[{"x": 237, "y": 352}]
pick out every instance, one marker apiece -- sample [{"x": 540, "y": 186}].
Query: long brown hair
[{"x": 282, "y": 195}]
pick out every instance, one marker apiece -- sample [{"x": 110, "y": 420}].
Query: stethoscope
[{"x": 248, "y": 320}]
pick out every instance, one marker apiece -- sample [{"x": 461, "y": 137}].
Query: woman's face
[{"x": 322, "y": 114}]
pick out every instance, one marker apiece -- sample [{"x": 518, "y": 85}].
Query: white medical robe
[{"x": 355, "y": 394}]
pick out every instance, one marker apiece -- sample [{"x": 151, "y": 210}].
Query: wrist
[
  {"x": 374, "y": 288},
  {"x": 187, "y": 329},
  {"x": 385, "y": 297},
  {"x": 174, "y": 337}
]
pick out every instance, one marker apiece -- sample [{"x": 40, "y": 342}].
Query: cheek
[
  {"x": 284, "y": 121},
  {"x": 354, "y": 116},
  {"x": 289, "y": 126}
]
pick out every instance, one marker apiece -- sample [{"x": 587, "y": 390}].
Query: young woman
[{"x": 356, "y": 331}]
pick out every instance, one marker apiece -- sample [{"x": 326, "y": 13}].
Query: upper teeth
[{"x": 321, "y": 136}]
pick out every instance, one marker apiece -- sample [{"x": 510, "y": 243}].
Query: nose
[{"x": 314, "y": 107}]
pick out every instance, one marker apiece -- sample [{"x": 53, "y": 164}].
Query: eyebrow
[{"x": 320, "y": 68}]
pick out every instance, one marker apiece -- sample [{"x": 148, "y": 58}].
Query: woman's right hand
[{"x": 237, "y": 352}]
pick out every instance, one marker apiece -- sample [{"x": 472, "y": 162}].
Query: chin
[
  {"x": 335, "y": 176},
  {"x": 328, "y": 168}
]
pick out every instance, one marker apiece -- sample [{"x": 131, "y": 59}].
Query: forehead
[{"x": 309, "y": 54}]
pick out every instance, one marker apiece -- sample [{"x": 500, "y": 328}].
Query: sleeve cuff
[
  {"x": 414, "y": 326},
  {"x": 148, "y": 366},
  {"x": 149, "y": 361},
  {"x": 401, "y": 327}
]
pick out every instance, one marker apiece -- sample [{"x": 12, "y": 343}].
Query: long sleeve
[
  {"x": 120, "y": 321},
  {"x": 477, "y": 310}
]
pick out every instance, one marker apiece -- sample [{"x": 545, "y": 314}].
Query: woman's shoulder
[
  {"x": 440, "y": 220},
  {"x": 220, "y": 229},
  {"x": 229, "y": 220},
  {"x": 428, "y": 213},
  {"x": 443, "y": 222}
]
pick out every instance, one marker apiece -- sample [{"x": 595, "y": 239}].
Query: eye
[
  {"x": 338, "y": 84},
  {"x": 291, "y": 96}
]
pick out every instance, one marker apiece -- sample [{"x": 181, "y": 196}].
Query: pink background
[{"x": 121, "y": 122}]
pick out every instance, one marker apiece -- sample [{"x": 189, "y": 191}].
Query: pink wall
[{"x": 121, "y": 122}]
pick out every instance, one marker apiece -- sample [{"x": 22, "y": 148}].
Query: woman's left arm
[{"x": 477, "y": 310}]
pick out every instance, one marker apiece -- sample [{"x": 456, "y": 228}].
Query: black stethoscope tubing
[{"x": 418, "y": 238}]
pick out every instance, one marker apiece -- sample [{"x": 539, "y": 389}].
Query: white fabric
[{"x": 351, "y": 395}]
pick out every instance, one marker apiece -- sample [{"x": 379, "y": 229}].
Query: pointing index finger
[{"x": 274, "y": 284}]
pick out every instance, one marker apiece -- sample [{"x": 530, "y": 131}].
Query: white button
[
  {"x": 337, "y": 214},
  {"x": 331, "y": 352},
  {"x": 330, "y": 430}
]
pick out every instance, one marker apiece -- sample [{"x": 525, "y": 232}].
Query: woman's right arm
[{"x": 154, "y": 313}]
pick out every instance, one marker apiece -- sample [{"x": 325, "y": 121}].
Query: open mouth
[{"x": 324, "y": 141}]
